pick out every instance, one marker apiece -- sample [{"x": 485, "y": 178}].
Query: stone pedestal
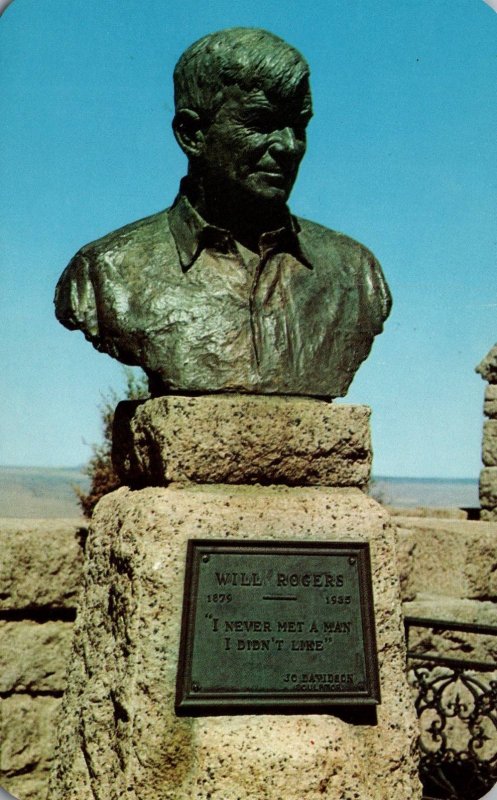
[
  {"x": 119, "y": 736},
  {"x": 242, "y": 439}
]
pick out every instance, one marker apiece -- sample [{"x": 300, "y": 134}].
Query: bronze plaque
[{"x": 276, "y": 625}]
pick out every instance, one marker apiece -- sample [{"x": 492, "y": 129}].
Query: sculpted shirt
[{"x": 201, "y": 313}]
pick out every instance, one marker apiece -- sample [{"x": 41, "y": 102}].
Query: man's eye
[{"x": 262, "y": 125}]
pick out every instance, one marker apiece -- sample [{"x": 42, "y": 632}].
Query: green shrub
[{"x": 99, "y": 469}]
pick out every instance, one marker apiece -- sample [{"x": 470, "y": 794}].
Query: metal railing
[{"x": 456, "y": 703}]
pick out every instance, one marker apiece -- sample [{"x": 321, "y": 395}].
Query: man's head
[{"x": 242, "y": 105}]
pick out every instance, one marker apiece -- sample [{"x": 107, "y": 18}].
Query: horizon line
[{"x": 374, "y": 476}]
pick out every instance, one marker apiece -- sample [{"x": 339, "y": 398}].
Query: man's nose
[{"x": 284, "y": 141}]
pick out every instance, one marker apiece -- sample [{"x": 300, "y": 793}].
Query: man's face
[{"x": 256, "y": 142}]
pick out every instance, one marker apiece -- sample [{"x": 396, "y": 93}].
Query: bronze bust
[{"x": 226, "y": 291}]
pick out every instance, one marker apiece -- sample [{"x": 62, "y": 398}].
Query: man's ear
[{"x": 188, "y": 131}]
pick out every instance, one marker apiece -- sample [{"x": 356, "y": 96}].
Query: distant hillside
[
  {"x": 430, "y": 492},
  {"x": 42, "y": 492},
  {"x": 39, "y": 492}
]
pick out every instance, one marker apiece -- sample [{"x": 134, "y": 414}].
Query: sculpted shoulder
[
  {"x": 96, "y": 280},
  {"x": 142, "y": 233},
  {"x": 327, "y": 242},
  {"x": 346, "y": 261}
]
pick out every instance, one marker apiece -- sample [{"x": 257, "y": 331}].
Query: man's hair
[{"x": 248, "y": 57}]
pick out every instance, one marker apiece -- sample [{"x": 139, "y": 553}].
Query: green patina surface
[{"x": 227, "y": 290}]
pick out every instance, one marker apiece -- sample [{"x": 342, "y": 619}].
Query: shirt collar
[{"x": 191, "y": 234}]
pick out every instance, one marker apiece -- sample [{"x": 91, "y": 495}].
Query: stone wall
[
  {"x": 40, "y": 574},
  {"x": 447, "y": 571},
  {"x": 488, "y": 476}
]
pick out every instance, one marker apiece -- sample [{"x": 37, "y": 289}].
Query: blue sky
[{"x": 401, "y": 155}]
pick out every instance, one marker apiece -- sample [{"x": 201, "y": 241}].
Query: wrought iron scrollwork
[{"x": 456, "y": 703}]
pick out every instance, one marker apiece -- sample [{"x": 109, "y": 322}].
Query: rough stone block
[
  {"x": 490, "y": 403},
  {"x": 30, "y": 786},
  {"x": 33, "y": 656},
  {"x": 27, "y": 735},
  {"x": 242, "y": 439},
  {"x": 488, "y": 488},
  {"x": 41, "y": 563},
  {"x": 119, "y": 735},
  {"x": 489, "y": 445},
  {"x": 488, "y": 366},
  {"x": 450, "y": 558}
]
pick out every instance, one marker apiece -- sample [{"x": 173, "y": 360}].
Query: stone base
[
  {"x": 119, "y": 736},
  {"x": 241, "y": 439}
]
